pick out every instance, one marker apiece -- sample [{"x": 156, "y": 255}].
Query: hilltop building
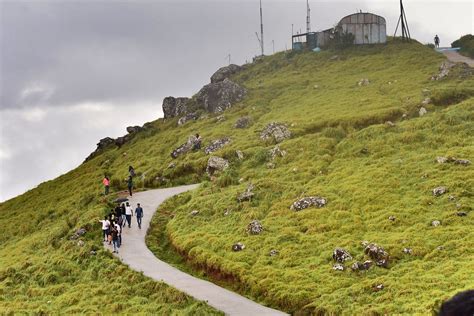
[{"x": 367, "y": 28}]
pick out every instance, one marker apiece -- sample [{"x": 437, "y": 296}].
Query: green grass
[{"x": 331, "y": 124}]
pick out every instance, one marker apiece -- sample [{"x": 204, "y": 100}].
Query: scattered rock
[
  {"x": 271, "y": 165},
  {"x": 441, "y": 159},
  {"x": 188, "y": 117},
  {"x": 171, "y": 165},
  {"x": 134, "y": 129},
  {"x": 219, "y": 96},
  {"x": 80, "y": 243},
  {"x": 162, "y": 180},
  {"x": 364, "y": 151},
  {"x": 216, "y": 145},
  {"x": 358, "y": 266},
  {"x": 444, "y": 69},
  {"x": 78, "y": 233},
  {"x": 390, "y": 124},
  {"x": 458, "y": 205},
  {"x": 391, "y": 218},
  {"x": 190, "y": 144},
  {"x": 440, "y": 248},
  {"x": 464, "y": 162},
  {"x": 338, "y": 267},
  {"x": 426, "y": 101},
  {"x": 378, "y": 287},
  {"x": 273, "y": 252},
  {"x": 173, "y": 107},
  {"x": 425, "y": 91},
  {"x": 225, "y": 72},
  {"x": 316, "y": 86},
  {"x": 422, "y": 111},
  {"x": 378, "y": 254},
  {"x": 451, "y": 198},
  {"x": 216, "y": 164},
  {"x": 408, "y": 251},
  {"x": 334, "y": 57},
  {"x": 340, "y": 255},
  {"x": 454, "y": 160},
  {"x": 461, "y": 214},
  {"x": 220, "y": 118},
  {"x": 242, "y": 122},
  {"x": 306, "y": 202},
  {"x": 254, "y": 227},
  {"x": 194, "y": 213},
  {"x": 439, "y": 191},
  {"x": 227, "y": 213},
  {"x": 277, "y": 152},
  {"x": 404, "y": 116},
  {"x": 240, "y": 154},
  {"x": 363, "y": 82},
  {"x": 238, "y": 246},
  {"x": 247, "y": 195},
  {"x": 435, "y": 223},
  {"x": 93, "y": 252},
  {"x": 102, "y": 145},
  {"x": 277, "y": 132}
]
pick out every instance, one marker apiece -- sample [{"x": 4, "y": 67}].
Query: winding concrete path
[{"x": 136, "y": 254}]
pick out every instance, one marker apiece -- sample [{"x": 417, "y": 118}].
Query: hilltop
[{"x": 358, "y": 134}]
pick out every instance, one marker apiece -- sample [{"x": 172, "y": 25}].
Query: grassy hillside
[{"x": 341, "y": 149}]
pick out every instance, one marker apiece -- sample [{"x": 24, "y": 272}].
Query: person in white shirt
[
  {"x": 119, "y": 233},
  {"x": 128, "y": 214},
  {"x": 105, "y": 227}
]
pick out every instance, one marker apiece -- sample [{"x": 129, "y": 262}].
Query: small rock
[
  {"x": 441, "y": 159},
  {"x": 277, "y": 152},
  {"x": 338, "y": 267},
  {"x": 93, "y": 252},
  {"x": 80, "y": 243},
  {"x": 378, "y": 287},
  {"x": 78, "y": 233},
  {"x": 216, "y": 164},
  {"x": 426, "y": 101},
  {"x": 408, "y": 251},
  {"x": 334, "y": 57},
  {"x": 254, "y": 227},
  {"x": 461, "y": 214},
  {"x": 240, "y": 154},
  {"x": 404, "y": 116},
  {"x": 451, "y": 198},
  {"x": 458, "y": 205},
  {"x": 363, "y": 82},
  {"x": 358, "y": 266},
  {"x": 238, "y": 246},
  {"x": 440, "y": 248},
  {"x": 49, "y": 302},
  {"x": 247, "y": 195},
  {"x": 242, "y": 122},
  {"x": 425, "y": 91},
  {"x": 216, "y": 145},
  {"x": 273, "y": 252},
  {"x": 316, "y": 86},
  {"x": 364, "y": 243},
  {"x": 464, "y": 162},
  {"x": 391, "y": 218},
  {"x": 435, "y": 223},
  {"x": 277, "y": 132},
  {"x": 377, "y": 253},
  {"x": 194, "y": 213},
  {"x": 364, "y": 151},
  {"x": 220, "y": 118},
  {"x": 306, "y": 202},
  {"x": 241, "y": 180},
  {"x": 340, "y": 255},
  {"x": 439, "y": 191},
  {"x": 390, "y": 124},
  {"x": 422, "y": 111},
  {"x": 271, "y": 165},
  {"x": 171, "y": 165},
  {"x": 227, "y": 213}
]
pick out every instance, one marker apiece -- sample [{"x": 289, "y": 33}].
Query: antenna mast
[
  {"x": 308, "y": 17},
  {"x": 403, "y": 19},
  {"x": 261, "y": 27}
]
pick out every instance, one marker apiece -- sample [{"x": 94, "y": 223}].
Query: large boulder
[
  {"x": 306, "y": 202},
  {"x": 134, "y": 129},
  {"x": 189, "y": 145},
  {"x": 276, "y": 132},
  {"x": 225, "y": 72},
  {"x": 102, "y": 145},
  {"x": 217, "y": 97},
  {"x": 173, "y": 107},
  {"x": 340, "y": 255},
  {"x": 216, "y": 164},
  {"x": 216, "y": 145}
]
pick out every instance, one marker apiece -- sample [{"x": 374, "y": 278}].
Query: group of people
[
  {"x": 118, "y": 218},
  {"x": 131, "y": 174}
]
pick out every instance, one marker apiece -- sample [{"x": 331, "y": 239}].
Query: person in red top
[{"x": 106, "y": 182}]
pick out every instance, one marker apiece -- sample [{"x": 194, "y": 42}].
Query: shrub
[{"x": 466, "y": 43}]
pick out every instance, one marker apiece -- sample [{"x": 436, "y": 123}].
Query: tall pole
[
  {"x": 308, "y": 17},
  {"x": 402, "y": 20},
  {"x": 261, "y": 27},
  {"x": 273, "y": 45}
]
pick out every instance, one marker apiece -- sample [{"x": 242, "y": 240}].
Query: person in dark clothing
[
  {"x": 139, "y": 215},
  {"x": 122, "y": 210},
  {"x": 436, "y": 41},
  {"x": 131, "y": 171},
  {"x": 197, "y": 144},
  {"x": 115, "y": 234},
  {"x": 461, "y": 304},
  {"x": 130, "y": 185}
]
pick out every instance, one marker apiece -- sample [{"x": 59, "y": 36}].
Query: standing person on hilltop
[
  {"x": 130, "y": 185},
  {"x": 106, "y": 182},
  {"x": 139, "y": 215},
  {"x": 105, "y": 227},
  {"x": 436, "y": 41},
  {"x": 128, "y": 214}
]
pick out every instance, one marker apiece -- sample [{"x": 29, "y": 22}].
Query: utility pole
[
  {"x": 228, "y": 57},
  {"x": 273, "y": 45},
  {"x": 404, "y": 24},
  {"x": 308, "y": 17},
  {"x": 261, "y": 28}
]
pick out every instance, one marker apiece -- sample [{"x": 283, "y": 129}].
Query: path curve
[
  {"x": 454, "y": 56},
  {"x": 136, "y": 254}
]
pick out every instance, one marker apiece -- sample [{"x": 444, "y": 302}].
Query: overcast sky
[{"x": 73, "y": 72}]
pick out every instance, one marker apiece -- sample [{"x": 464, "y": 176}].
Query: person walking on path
[
  {"x": 115, "y": 234},
  {"x": 139, "y": 215},
  {"x": 128, "y": 214},
  {"x": 105, "y": 227},
  {"x": 130, "y": 185},
  {"x": 106, "y": 182},
  {"x": 436, "y": 41},
  {"x": 122, "y": 211},
  {"x": 118, "y": 227}
]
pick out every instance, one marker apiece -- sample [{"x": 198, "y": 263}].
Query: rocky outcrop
[
  {"x": 78, "y": 233},
  {"x": 444, "y": 69},
  {"x": 225, "y": 72},
  {"x": 378, "y": 254},
  {"x": 188, "y": 117},
  {"x": 189, "y": 145},
  {"x": 340, "y": 255},
  {"x": 359, "y": 266},
  {"x": 242, "y": 122},
  {"x": 254, "y": 227},
  {"x": 363, "y": 82},
  {"x": 454, "y": 160},
  {"x": 306, "y": 202},
  {"x": 247, "y": 195},
  {"x": 439, "y": 191},
  {"x": 216, "y": 164},
  {"x": 216, "y": 145},
  {"x": 134, "y": 129},
  {"x": 277, "y": 152},
  {"x": 173, "y": 107},
  {"x": 219, "y": 96},
  {"x": 276, "y": 132}
]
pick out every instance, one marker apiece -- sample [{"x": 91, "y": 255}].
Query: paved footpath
[
  {"x": 136, "y": 254},
  {"x": 455, "y": 57}
]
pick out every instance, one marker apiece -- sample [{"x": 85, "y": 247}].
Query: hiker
[
  {"x": 105, "y": 227},
  {"x": 118, "y": 227},
  {"x": 128, "y": 214},
  {"x": 436, "y": 41},
  {"x": 197, "y": 144},
  {"x": 122, "y": 211},
  {"x": 106, "y": 182},
  {"x": 131, "y": 171},
  {"x": 139, "y": 215},
  {"x": 130, "y": 185},
  {"x": 461, "y": 304},
  {"x": 114, "y": 237}
]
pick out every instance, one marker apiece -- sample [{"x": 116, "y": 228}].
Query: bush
[{"x": 466, "y": 43}]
